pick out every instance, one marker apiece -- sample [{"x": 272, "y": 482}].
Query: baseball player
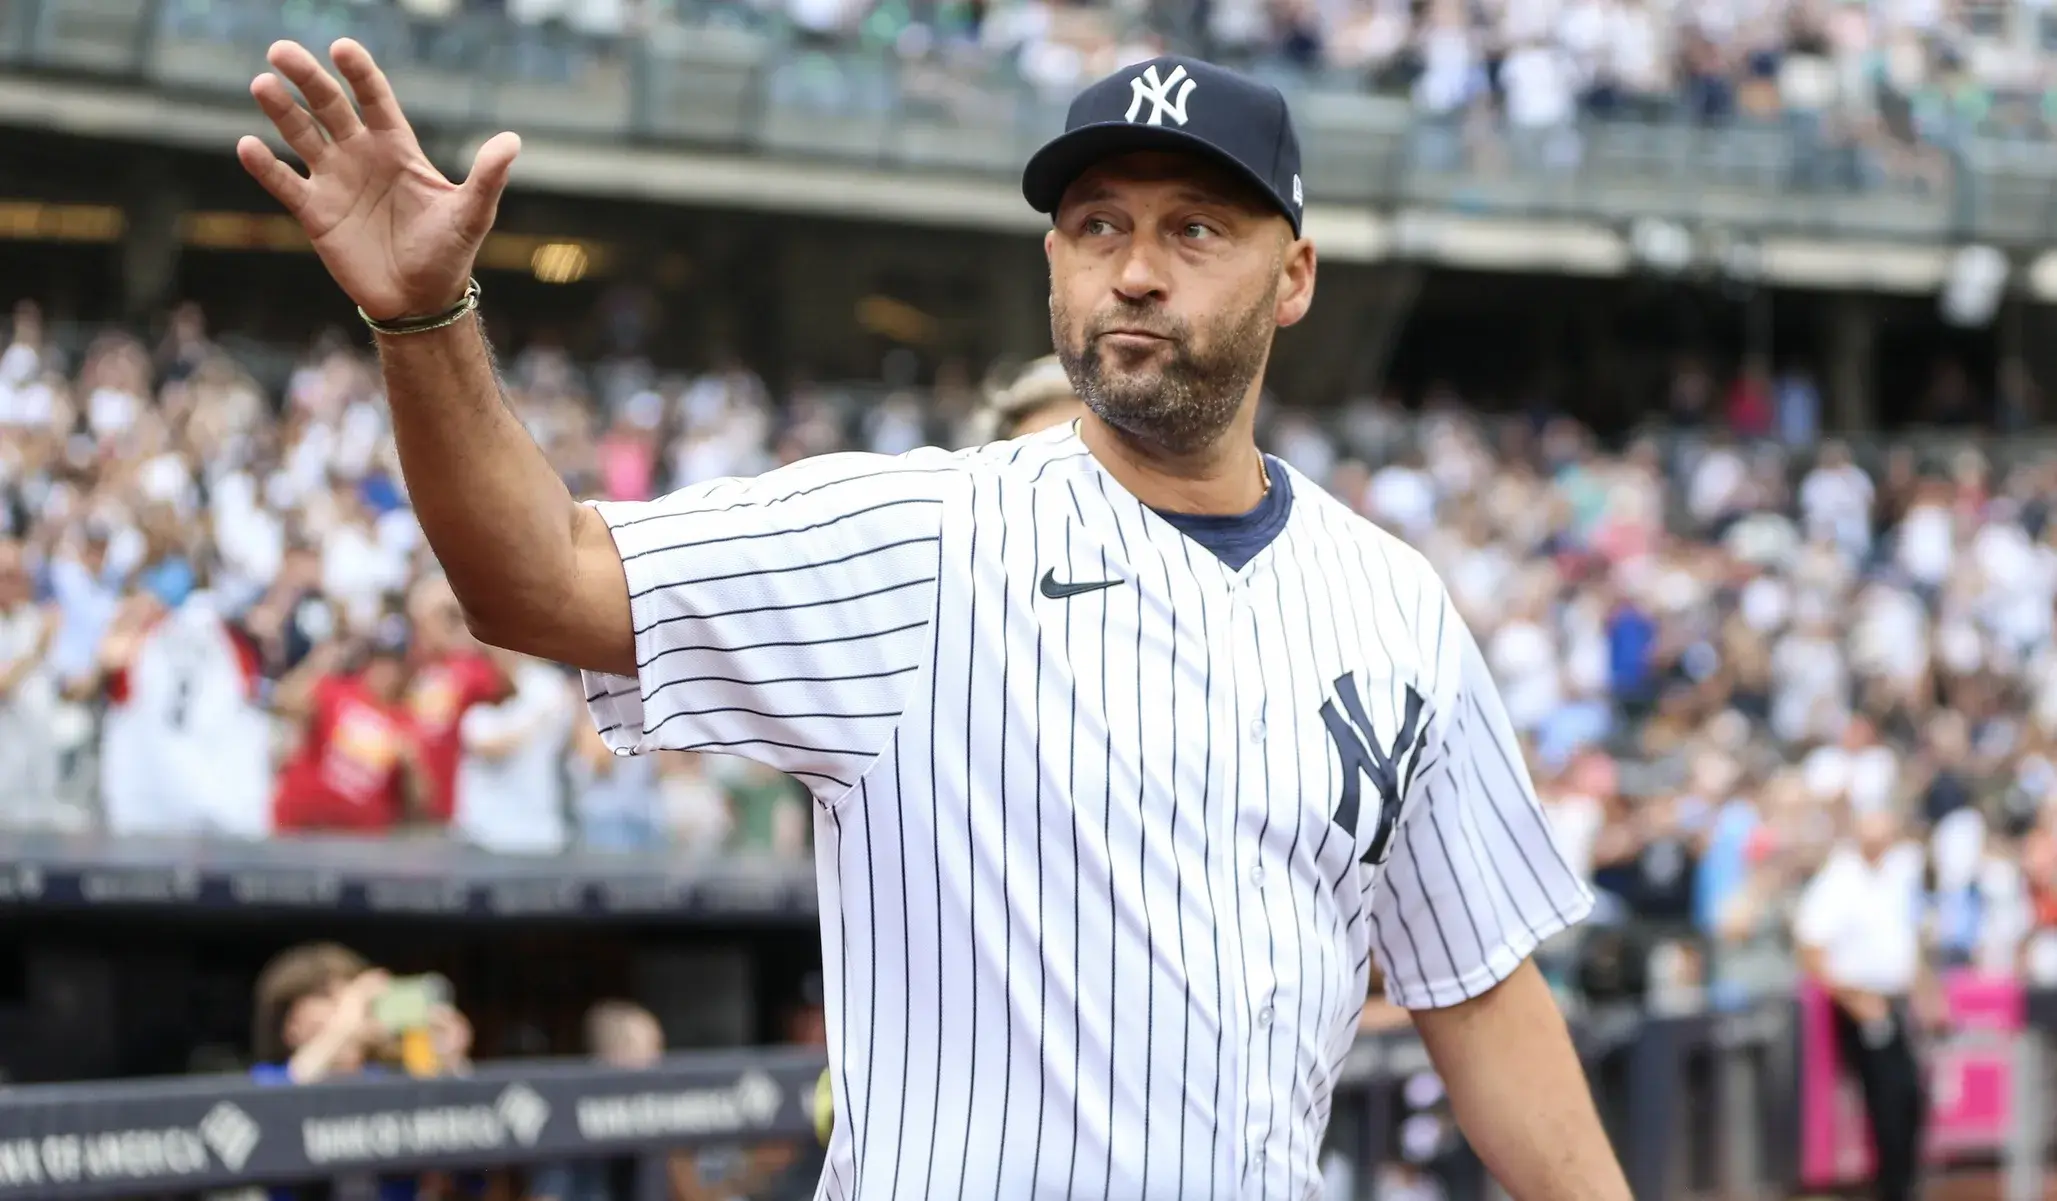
[{"x": 1129, "y": 747}]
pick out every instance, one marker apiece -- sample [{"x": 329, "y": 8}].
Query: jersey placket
[{"x": 1255, "y": 882}]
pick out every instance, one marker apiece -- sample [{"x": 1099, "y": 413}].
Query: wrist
[{"x": 450, "y": 314}]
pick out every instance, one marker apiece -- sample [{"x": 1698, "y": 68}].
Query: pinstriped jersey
[{"x": 1107, "y": 831}]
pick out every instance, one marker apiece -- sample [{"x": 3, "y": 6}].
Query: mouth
[{"x": 1133, "y": 338}]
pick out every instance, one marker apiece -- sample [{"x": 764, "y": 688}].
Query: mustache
[{"x": 1142, "y": 321}]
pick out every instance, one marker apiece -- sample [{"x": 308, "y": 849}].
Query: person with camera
[{"x": 323, "y": 1013}]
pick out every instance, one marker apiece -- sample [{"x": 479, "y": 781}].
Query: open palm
[{"x": 394, "y": 232}]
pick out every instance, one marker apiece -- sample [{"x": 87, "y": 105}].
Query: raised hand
[{"x": 394, "y": 232}]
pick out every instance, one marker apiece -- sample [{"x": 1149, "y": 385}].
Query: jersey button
[
  {"x": 1257, "y": 876},
  {"x": 1264, "y": 1016},
  {"x": 1257, "y": 730}
]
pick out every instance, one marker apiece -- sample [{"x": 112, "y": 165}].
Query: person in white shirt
[
  {"x": 1836, "y": 499},
  {"x": 1858, "y": 934},
  {"x": 185, "y": 744},
  {"x": 28, "y": 694},
  {"x": 510, "y": 791}
]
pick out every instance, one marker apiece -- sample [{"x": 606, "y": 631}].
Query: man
[
  {"x": 358, "y": 768},
  {"x": 1111, "y": 730},
  {"x": 1858, "y": 935},
  {"x": 1040, "y": 397}
]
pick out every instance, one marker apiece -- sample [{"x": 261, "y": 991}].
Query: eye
[
  {"x": 1198, "y": 231},
  {"x": 1097, "y": 227}
]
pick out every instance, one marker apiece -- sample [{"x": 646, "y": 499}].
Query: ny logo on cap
[{"x": 1158, "y": 92}]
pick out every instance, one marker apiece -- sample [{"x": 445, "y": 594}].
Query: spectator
[
  {"x": 185, "y": 747},
  {"x": 450, "y": 674},
  {"x": 316, "y": 1018},
  {"x": 358, "y": 767},
  {"x": 1039, "y": 397},
  {"x": 510, "y": 795},
  {"x": 1856, "y": 931},
  {"x": 614, "y": 797},
  {"x": 618, "y": 1034},
  {"x": 28, "y": 696}
]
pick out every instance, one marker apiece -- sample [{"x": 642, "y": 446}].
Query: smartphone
[{"x": 408, "y": 1001}]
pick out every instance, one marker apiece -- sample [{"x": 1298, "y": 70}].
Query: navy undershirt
[{"x": 1236, "y": 538}]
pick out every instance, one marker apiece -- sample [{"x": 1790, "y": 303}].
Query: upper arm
[
  {"x": 1475, "y": 881},
  {"x": 782, "y": 618},
  {"x": 592, "y": 630}
]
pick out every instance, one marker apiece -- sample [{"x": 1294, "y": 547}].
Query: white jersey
[
  {"x": 185, "y": 749},
  {"x": 1107, "y": 832}
]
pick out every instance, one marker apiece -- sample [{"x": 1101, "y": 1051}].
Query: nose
[{"x": 1142, "y": 275}]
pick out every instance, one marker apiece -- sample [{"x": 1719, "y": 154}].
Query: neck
[{"x": 1226, "y": 477}]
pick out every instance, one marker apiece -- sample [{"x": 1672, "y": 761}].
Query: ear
[
  {"x": 1296, "y": 282},
  {"x": 1049, "y": 243}
]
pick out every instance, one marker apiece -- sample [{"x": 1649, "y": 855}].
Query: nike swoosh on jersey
[{"x": 1057, "y": 591}]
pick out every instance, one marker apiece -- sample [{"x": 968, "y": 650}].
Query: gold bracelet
[{"x": 422, "y": 325}]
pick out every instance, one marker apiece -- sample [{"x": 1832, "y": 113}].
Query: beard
[{"x": 1187, "y": 392}]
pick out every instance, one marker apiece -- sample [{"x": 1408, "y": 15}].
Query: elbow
[{"x": 501, "y": 626}]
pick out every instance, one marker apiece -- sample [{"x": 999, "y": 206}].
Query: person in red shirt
[
  {"x": 452, "y": 672},
  {"x": 359, "y": 765}
]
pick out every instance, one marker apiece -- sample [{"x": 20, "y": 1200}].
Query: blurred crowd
[
  {"x": 1892, "y": 74},
  {"x": 217, "y": 615},
  {"x": 1721, "y": 652}
]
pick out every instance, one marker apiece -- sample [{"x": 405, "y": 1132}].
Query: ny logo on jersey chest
[{"x": 1390, "y": 768}]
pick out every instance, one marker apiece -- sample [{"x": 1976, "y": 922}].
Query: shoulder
[
  {"x": 1381, "y": 561},
  {"x": 1839, "y": 870},
  {"x": 1054, "y": 452}
]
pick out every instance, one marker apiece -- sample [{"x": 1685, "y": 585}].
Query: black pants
[{"x": 1895, "y": 1100}]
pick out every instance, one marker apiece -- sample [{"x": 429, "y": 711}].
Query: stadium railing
[
  {"x": 396, "y": 877},
  {"x": 1698, "y": 1104},
  {"x": 737, "y": 83}
]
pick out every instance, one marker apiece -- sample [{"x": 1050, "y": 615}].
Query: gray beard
[{"x": 1187, "y": 403}]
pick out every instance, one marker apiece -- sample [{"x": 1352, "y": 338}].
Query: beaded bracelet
[{"x": 422, "y": 325}]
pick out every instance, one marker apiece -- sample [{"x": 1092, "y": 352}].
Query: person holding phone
[{"x": 323, "y": 1013}]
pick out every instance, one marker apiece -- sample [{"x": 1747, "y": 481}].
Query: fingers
[
  {"x": 293, "y": 122},
  {"x": 374, "y": 93},
  {"x": 325, "y": 97},
  {"x": 286, "y": 185},
  {"x": 487, "y": 179}
]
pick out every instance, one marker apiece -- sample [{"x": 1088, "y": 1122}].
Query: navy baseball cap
[{"x": 1175, "y": 103}]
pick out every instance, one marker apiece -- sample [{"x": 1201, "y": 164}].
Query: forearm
[
  {"x": 314, "y": 1059},
  {"x": 496, "y": 514},
  {"x": 1497, "y": 1054}
]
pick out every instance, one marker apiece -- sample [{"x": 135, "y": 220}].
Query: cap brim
[{"x": 1070, "y": 154}]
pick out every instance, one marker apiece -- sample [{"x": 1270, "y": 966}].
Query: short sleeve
[
  {"x": 1475, "y": 881},
  {"x": 783, "y": 618},
  {"x": 1819, "y": 915}
]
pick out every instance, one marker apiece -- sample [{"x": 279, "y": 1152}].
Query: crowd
[
  {"x": 1893, "y": 74},
  {"x": 1718, "y": 648},
  {"x": 217, "y": 615}
]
